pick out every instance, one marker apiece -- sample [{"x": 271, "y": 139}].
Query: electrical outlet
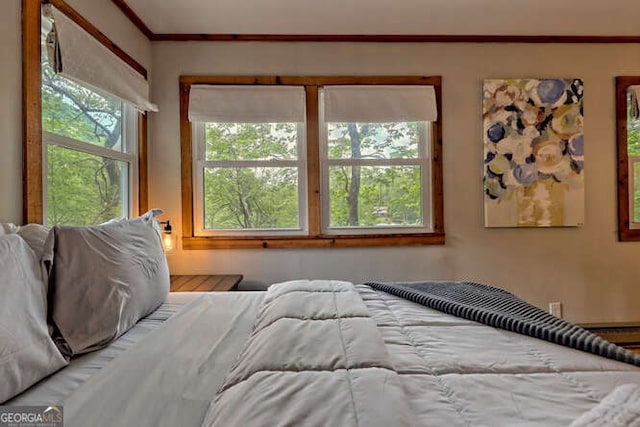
[{"x": 555, "y": 308}]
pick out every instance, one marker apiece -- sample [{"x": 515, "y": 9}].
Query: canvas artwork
[{"x": 533, "y": 152}]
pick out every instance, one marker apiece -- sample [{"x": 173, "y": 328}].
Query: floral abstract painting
[{"x": 533, "y": 152}]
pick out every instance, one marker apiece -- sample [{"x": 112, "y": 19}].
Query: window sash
[
  {"x": 633, "y": 185},
  {"x": 633, "y": 160},
  {"x": 85, "y": 147},
  {"x": 628, "y": 231},
  {"x": 423, "y": 161},
  {"x": 200, "y": 165},
  {"x": 633, "y": 97},
  {"x": 349, "y": 98},
  {"x": 129, "y": 155}
]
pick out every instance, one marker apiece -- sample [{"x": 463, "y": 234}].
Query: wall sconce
[{"x": 168, "y": 238}]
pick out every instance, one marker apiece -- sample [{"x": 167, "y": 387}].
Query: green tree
[
  {"x": 633, "y": 149},
  {"x": 239, "y": 194},
  {"x": 633, "y": 133},
  {"x": 374, "y": 195},
  {"x": 82, "y": 189},
  {"x": 242, "y": 197}
]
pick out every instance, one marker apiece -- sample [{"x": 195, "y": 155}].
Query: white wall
[
  {"x": 108, "y": 18},
  {"x": 585, "y": 268}
]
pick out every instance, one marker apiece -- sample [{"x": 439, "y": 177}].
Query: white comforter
[
  {"x": 315, "y": 357},
  {"x": 324, "y": 353}
]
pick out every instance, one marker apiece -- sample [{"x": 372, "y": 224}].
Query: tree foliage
[
  {"x": 237, "y": 197},
  {"x": 374, "y": 195},
  {"x": 266, "y": 197},
  {"x": 82, "y": 188},
  {"x": 633, "y": 149}
]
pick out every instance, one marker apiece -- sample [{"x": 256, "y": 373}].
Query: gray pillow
[
  {"x": 27, "y": 353},
  {"x": 104, "y": 279}
]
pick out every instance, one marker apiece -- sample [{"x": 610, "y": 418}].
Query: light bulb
[
  {"x": 168, "y": 242},
  {"x": 168, "y": 238}
]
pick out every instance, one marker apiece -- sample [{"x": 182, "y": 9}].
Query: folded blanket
[
  {"x": 501, "y": 309},
  {"x": 621, "y": 408}
]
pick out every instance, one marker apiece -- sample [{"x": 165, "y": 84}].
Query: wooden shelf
[{"x": 204, "y": 282}]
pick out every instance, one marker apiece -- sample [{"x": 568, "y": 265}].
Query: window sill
[
  {"x": 202, "y": 243},
  {"x": 629, "y": 235}
]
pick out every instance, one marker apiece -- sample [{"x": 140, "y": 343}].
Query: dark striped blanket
[{"x": 501, "y": 309}]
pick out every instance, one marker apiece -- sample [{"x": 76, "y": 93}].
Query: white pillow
[
  {"x": 8, "y": 228},
  {"x": 34, "y": 234},
  {"x": 104, "y": 279},
  {"x": 27, "y": 353}
]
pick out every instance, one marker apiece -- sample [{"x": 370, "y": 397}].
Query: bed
[{"x": 324, "y": 353}]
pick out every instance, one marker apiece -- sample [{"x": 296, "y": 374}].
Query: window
[
  {"x": 375, "y": 158},
  {"x": 90, "y": 157},
  {"x": 628, "y": 141},
  {"x": 311, "y": 161},
  {"x": 250, "y": 163},
  {"x": 83, "y": 147}
]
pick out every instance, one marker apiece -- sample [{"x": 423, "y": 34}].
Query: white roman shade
[
  {"x": 77, "y": 55},
  {"x": 246, "y": 104},
  {"x": 379, "y": 104}
]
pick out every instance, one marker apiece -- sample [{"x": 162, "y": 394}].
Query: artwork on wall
[{"x": 533, "y": 152}]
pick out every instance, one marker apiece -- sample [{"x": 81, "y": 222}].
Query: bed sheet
[
  {"x": 55, "y": 388},
  {"x": 170, "y": 377}
]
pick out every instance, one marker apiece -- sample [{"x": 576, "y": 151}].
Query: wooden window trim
[
  {"x": 392, "y": 38},
  {"x": 32, "y": 178},
  {"x": 314, "y": 239},
  {"x": 369, "y": 38},
  {"x": 32, "y": 192},
  {"x": 72, "y": 14},
  {"x": 625, "y": 232}
]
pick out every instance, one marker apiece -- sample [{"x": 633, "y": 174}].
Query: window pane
[
  {"x": 633, "y": 150},
  {"x": 251, "y": 198},
  {"x": 374, "y": 140},
  {"x": 633, "y": 131},
  {"x": 75, "y": 111},
  {"x": 367, "y": 196},
  {"x": 251, "y": 141},
  {"x": 635, "y": 190},
  {"x": 84, "y": 189}
]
